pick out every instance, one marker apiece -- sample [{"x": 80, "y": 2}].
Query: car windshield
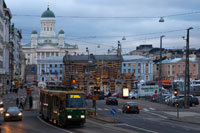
[
  {"x": 132, "y": 104},
  {"x": 14, "y": 109},
  {"x": 75, "y": 101}
]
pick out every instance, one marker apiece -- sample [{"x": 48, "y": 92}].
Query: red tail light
[
  {"x": 139, "y": 107},
  {"x": 128, "y": 107},
  {"x": 116, "y": 99},
  {"x": 110, "y": 99}
]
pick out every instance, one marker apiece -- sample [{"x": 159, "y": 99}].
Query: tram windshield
[{"x": 75, "y": 100}]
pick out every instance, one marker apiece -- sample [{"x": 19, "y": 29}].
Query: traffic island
[
  {"x": 91, "y": 115},
  {"x": 185, "y": 120}
]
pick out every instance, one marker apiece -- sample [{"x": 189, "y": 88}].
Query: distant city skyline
[{"x": 102, "y": 23}]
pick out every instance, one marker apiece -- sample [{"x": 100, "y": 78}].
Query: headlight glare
[
  {"x": 7, "y": 114},
  {"x": 20, "y": 114},
  {"x": 69, "y": 116},
  {"x": 82, "y": 116}
]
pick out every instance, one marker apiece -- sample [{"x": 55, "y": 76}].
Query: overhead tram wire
[{"x": 112, "y": 17}]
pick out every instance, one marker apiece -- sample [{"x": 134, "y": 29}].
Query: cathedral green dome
[
  {"x": 34, "y": 32},
  {"x": 48, "y": 14},
  {"x": 61, "y": 32}
]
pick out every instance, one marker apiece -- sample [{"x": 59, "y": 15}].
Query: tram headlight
[
  {"x": 69, "y": 116},
  {"x": 82, "y": 116}
]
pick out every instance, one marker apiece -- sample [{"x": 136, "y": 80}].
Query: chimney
[{"x": 119, "y": 49}]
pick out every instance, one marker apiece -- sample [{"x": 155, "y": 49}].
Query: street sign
[
  {"x": 33, "y": 69},
  {"x": 113, "y": 111}
]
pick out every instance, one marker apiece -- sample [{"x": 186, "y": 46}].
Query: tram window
[{"x": 75, "y": 101}]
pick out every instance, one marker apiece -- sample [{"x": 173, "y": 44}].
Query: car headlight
[
  {"x": 7, "y": 114},
  {"x": 82, "y": 116},
  {"x": 1, "y": 109},
  {"x": 69, "y": 116},
  {"x": 1, "y": 102},
  {"x": 20, "y": 114}
]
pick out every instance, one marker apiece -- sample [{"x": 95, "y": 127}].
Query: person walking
[
  {"x": 30, "y": 102},
  {"x": 17, "y": 101},
  {"x": 21, "y": 104}
]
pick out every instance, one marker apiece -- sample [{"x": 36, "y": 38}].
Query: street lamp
[
  {"x": 161, "y": 20},
  {"x": 160, "y": 65},
  {"x": 187, "y": 70}
]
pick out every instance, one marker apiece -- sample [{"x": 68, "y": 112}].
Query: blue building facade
[
  {"x": 51, "y": 69},
  {"x": 141, "y": 66}
]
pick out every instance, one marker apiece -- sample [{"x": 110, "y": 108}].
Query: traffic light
[
  {"x": 175, "y": 92},
  {"x": 73, "y": 81}
]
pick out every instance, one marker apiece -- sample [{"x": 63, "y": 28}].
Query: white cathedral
[{"x": 47, "y": 43}]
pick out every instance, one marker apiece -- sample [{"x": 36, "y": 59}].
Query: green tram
[{"x": 63, "y": 107}]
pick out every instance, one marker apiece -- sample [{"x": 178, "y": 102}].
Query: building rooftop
[
  {"x": 175, "y": 60},
  {"x": 134, "y": 57}
]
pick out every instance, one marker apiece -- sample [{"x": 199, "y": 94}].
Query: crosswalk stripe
[
  {"x": 119, "y": 109},
  {"x": 145, "y": 109},
  {"x": 99, "y": 109},
  {"x": 152, "y": 108},
  {"x": 106, "y": 109}
]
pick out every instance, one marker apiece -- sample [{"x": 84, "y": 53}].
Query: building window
[
  {"x": 47, "y": 28},
  {"x": 50, "y": 65},
  {"x": 60, "y": 65},
  {"x": 147, "y": 64},
  {"x": 147, "y": 77},
  {"x": 124, "y": 64},
  {"x": 55, "y": 65},
  {"x": 42, "y": 53},
  {"x": 129, "y": 70},
  {"x": 50, "y": 71},
  {"x": 129, "y": 64},
  {"x": 52, "y": 53},
  {"x": 28, "y": 54},
  {"x": 56, "y": 53},
  {"x": 134, "y": 65},
  {"x": 168, "y": 66},
  {"x": 138, "y": 70},
  {"x": 48, "y": 54},
  {"x": 124, "y": 70},
  {"x": 44, "y": 28},
  {"x": 173, "y": 72},
  {"x": 43, "y": 65},
  {"x": 60, "y": 78},
  {"x": 133, "y": 70},
  {"x": 147, "y": 70},
  {"x": 60, "y": 71},
  {"x": 42, "y": 78},
  {"x": 173, "y": 66},
  {"x": 56, "y": 72},
  {"x": 138, "y": 64},
  {"x": 168, "y": 72},
  {"x": 179, "y": 66},
  {"x": 28, "y": 61},
  {"x": 38, "y": 54}
]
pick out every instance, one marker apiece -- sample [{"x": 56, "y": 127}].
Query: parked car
[
  {"x": 112, "y": 101},
  {"x": 131, "y": 107},
  {"x": 193, "y": 100},
  {"x": 116, "y": 94},
  {"x": 133, "y": 95},
  {"x": 12, "y": 113},
  {"x": 88, "y": 95}
]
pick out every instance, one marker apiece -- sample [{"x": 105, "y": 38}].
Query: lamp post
[
  {"x": 187, "y": 70},
  {"x": 160, "y": 66}
]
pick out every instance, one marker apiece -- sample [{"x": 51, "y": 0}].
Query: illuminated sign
[{"x": 75, "y": 96}]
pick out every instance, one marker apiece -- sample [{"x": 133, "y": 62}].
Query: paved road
[{"x": 149, "y": 119}]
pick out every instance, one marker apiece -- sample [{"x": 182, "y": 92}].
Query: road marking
[
  {"x": 106, "y": 109},
  {"x": 119, "y": 109},
  {"x": 146, "y": 130},
  {"x": 99, "y": 109},
  {"x": 53, "y": 126},
  {"x": 164, "y": 117},
  {"x": 145, "y": 109},
  {"x": 152, "y": 108}
]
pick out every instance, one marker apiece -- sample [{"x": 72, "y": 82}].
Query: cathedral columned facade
[{"x": 47, "y": 43}]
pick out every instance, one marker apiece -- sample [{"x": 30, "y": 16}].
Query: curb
[
  {"x": 104, "y": 119},
  {"x": 185, "y": 121}
]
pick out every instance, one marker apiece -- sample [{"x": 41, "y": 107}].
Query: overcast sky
[{"x": 90, "y": 32}]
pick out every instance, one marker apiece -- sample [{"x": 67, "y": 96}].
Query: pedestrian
[
  {"x": 21, "y": 104},
  {"x": 30, "y": 102},
  {"x": 109, "y": 94},
  {"x": 17, "y": 101}
]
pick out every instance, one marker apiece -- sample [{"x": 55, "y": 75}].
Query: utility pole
[
  {"x": 187, "y": 71},
  {"x": 160, "y": 66}
]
